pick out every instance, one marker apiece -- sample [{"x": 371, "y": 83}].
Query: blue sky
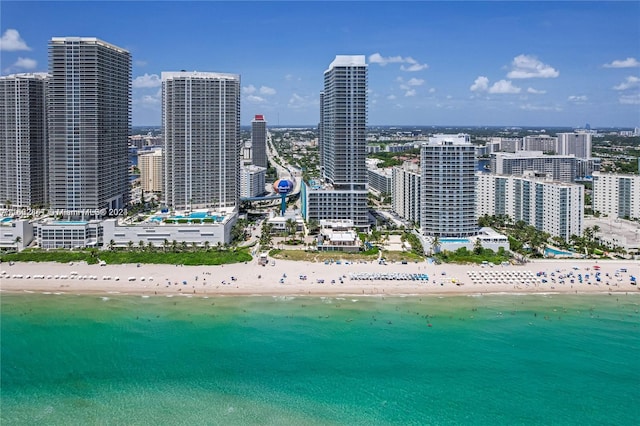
[{"x": 430, "y": 63}]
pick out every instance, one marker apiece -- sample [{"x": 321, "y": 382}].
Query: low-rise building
[
  {"x": 15, "y": 234},
  {"x": 338, "y": 235}
]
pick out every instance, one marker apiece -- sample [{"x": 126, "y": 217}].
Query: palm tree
[
  {"x": 130, "y": 244},
  {"x": 141, "y": 245},
  {"x": 17, "y": 241},
  {"x": 207, "y": 244},
  {"x": 290, "y": 226},
  {"x": 477, "y": 246},
  {"x": 183, "y": 246},
  {"x": 435, "y": 244},
  {"x": 150, "y": 246},
  {"x": 165, "y": 244},
  {"x": 174, "y": 246},
  {"x": 112, "y": 245}
]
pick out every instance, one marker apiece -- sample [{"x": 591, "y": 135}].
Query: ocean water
[{"x": 488, "y": 360}]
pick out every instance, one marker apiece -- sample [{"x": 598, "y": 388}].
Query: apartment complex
[
  {"x": 342, "y": 193},
  {"x": 23, "y": 140},
  {"x": 578, "y": 144},
  {"x": 550, "y": 206},
  {"x": 89, "y": 120},
  {"x": 259, "y": 141},
  {"x": 201, "y": 127},
  {"x": 558, "y": 167},
  {"x": 380, "y": 180},
  {"x": 150, "y": 165},
  {"x": 616, "y": 195},
  {"x": 544, "y": 143},
  {"x": 447, "y": 194},
  {"x": 405, "y": 200},
  {"x": 252, "y": 180}
]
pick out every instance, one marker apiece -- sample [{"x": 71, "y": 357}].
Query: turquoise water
[
  {"x": 549, "y": 250},
  {"x": 454, "y": 240},
  {"x": 318, "y": 361}
]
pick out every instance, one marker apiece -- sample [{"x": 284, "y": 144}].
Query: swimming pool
[
  {"x": 6, "y": 219},
  {"x": 555, "y": 252},
  {"x": 70, "y": 222},
  {"x": 454, "y": 240}
]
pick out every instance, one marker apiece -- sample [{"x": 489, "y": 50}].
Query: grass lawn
[
  {"x": 321, "y": 256},
  {"x": 211, "y": 257}
]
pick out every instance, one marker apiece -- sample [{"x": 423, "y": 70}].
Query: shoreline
[{"x": 285, "y": 278}]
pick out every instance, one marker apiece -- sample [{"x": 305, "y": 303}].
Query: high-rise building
[
  {"x": 89, "y": 116},
  {"x": 544, "y": 143},
  {"x": 447, "y": 164},
  {"x": 201, "y": 127},
  {"x": 550, "y": 206},
  {"x": 150, "y": 165},
  {"x": 252, "y": 180},
  {"x": 259, "y": 141},
  {"x": 578, "y": 144},
  {"x": 343, "y": 113},
  {"x": 616, "y": 195},
  {"x": 23, "y": 140},
  {"x": 406, "y": 192}
]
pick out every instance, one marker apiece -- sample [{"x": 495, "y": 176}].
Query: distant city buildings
[
  {"x": 342, "y": 194},
  {"x": 557, "y": 167},
  {"x": 550, "y": 206},
  {"x": 259, "y": 141},
  {"x": 201, "y": 127},
  {"x": 616, "y": 195},
  {"x": 23, "y": 140},
  {"x": 89, "y": 119},
  {"x": 448, "y": 187}
]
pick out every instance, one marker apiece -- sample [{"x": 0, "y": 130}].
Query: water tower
[{"x": 283, "y": 187}]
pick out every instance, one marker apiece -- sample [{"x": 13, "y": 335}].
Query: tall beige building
[{"x": 150, "y": 165}]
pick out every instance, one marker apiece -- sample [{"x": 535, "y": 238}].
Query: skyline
[{"x": 430, "y": 63}]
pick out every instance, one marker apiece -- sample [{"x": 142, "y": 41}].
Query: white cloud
[
  {"x": 526, "y": 66},
  {"x": 147, "y": 80},
  {"x": 577, "y": 99},
  {"x": 630, "y": 99},
  {"x": 377, "y": 58},
  {"x": 255, "y": 99},
  {"x": 414, "y": 65},
  {"x": 415, "y": 82},
  {"x": 529, "y": 107},
  {"x": 480, "y": 84},
  {"x": 410, "y": 93},
  {"x": 630, "y": 83},
  {"x": 264, "y": 90},
  {"x": 300, "y": 102},
  {"x": 624, "y": 63},
  {"x": 504, "y": 87},
  {"x": 11, "y": 41},
  {"x": 247, "y": 90},
  {"x": 432, "y": 90},
  {"x": 25, "y": 64},
  {"x": 140, "y": 63},
  {"x": 535, "y": 91},
  {"x": 391, "y": 97}
]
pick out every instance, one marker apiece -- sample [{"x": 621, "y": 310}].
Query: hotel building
[
  {"x": 616, "y": 195},
  {"x": 89, "y": 117},
  {"x": 23, "y": 140},
  {"x": 550, "y": 206},
  {"x": 201, "y": 127},
  {"x": 342, "y": 194},
  {"x": 447, "y": 194},
  {"x": 259, "y": 141}
]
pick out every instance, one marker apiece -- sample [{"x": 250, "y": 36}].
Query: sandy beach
[{"x": 283, "y": 277}]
